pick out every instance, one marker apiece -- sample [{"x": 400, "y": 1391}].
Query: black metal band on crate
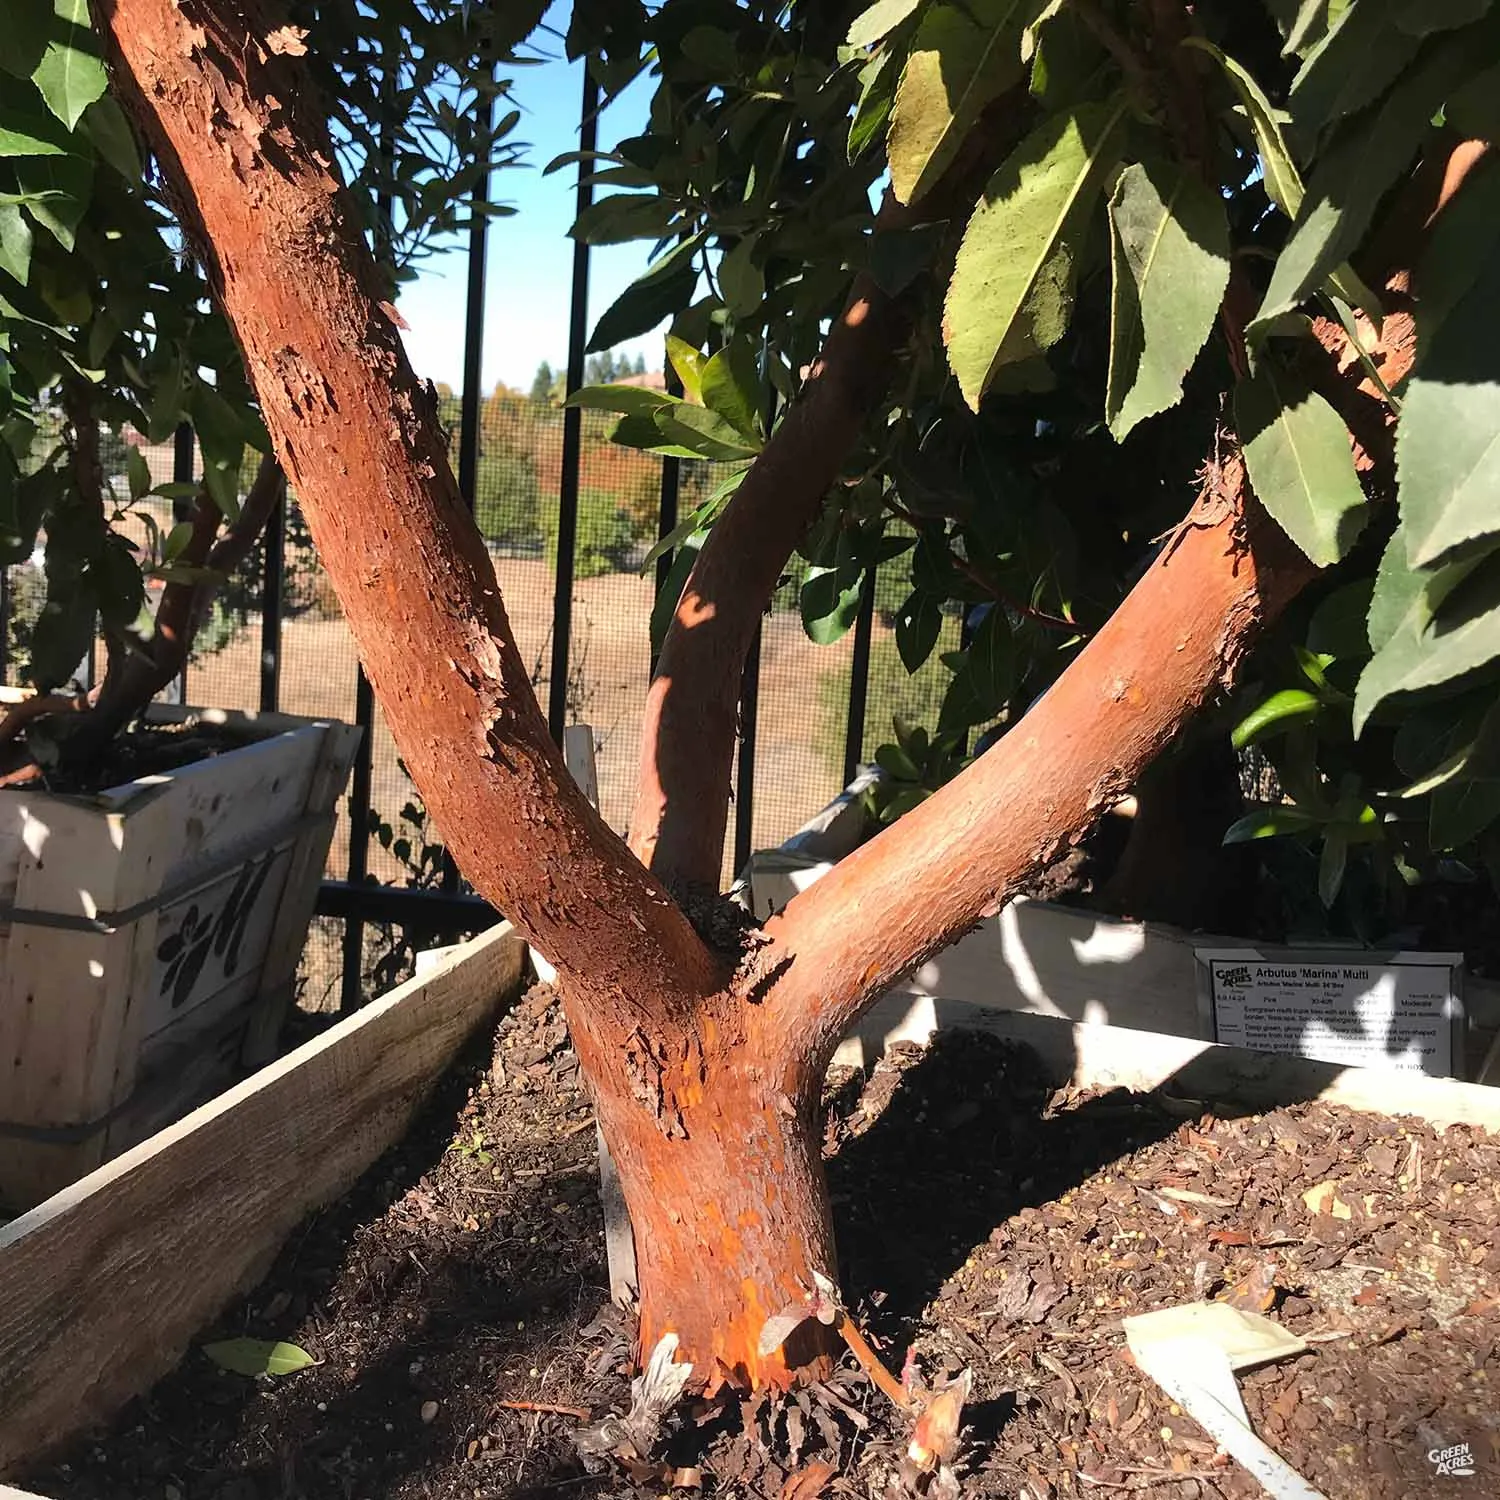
[{"x": 111, "y": 921}]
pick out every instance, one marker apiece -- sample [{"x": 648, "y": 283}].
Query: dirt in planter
[
  {"x": 146, "y": 750},
  {"x": 991, "y": 1221}
]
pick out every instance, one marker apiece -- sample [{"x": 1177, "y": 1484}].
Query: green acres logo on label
[{"x": 1235, "y": 978}]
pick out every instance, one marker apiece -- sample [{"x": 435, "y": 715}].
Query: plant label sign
[{"x": 1401, "y": 1011}]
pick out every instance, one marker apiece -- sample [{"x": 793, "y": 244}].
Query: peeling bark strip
[{"x": 242, "y": 141}]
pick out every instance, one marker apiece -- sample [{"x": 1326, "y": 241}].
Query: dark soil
[
  {"x": 987, "y": 1219},
  {"x": 146, "y": 750}
]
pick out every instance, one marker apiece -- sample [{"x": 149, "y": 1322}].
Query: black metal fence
[{"x": 569, "y": 519}]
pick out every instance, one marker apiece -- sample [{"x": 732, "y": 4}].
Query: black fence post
[
  {"x": 273, "y": 581},
  {"x": 183, "y": 454},
  {"x": 859, "y": 678},
  {"x": 572, "y": 445},
  {"x": 472, "y": 397}
]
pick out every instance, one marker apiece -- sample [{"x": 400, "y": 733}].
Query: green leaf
[
  {"x": 670, "y": 593},
  {"x": 221, "y": 437},
  {"x": 138, "y": 471},
  {"x": 1428, "y": 628},
  {"x": 28, "y": 23},
  {"x": 645, "y": 303},
  {"x": 1280, "y": 711},
  {"x": 707, "y": 433},
  {"x": 1359, "y": 57},
  {"x": 1282, "y": 179},
  {"x": 982, "y": 683},
  {"x": 1461, "y": 247},
  {"x": 632, "y": 400},
  {"x": 70, "y": 74},
  {"x": 961, "y": 58},
  {"x": 688, "y": 362},
  {"x": 877, "y": 94},
  {"x": 899, "y": 256},
  {"x": 26, "y": 129},
  {"x": 641, "y": 432},
  {"x": 104, "y": 123},
  {"x": 699, "y": 520},
  {"x": 1170, "y": 253},
  {"x": 61, "y": 638},
  {"x": 1461, "y": 810},
  {"x": 1012, "y": 287},
  {"x": 1439, "y": 15},
  {"x": 1352, "y": 176},
  {"x": 919, "y": 622},
  {"x": 258, "y": 1357},
  {"x": 623, "y": 217},
  {"x": 894, "y": 761},
  {"x": 1331, "y": 864},
  {"x": 741, "y": 282},
  {"x": 730, "y": 386},
  {"x": 15, "y": 243},
  {"x": 878, "y": 22},
  {"x": 1297, "y": 451},
  {"x": 1448, "y": 438},
  {"x": 1271, "y": 823},
  {"x": 176, "y": 542},
  {"x": 830, "y": 601},
  {"x": 55, "y": 190}
]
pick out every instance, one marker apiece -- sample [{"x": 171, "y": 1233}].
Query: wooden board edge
[
  {"x": 128, "y": 1213},
  {"x": 1093, "y": 1055}
]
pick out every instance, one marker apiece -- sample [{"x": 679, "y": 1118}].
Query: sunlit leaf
[
  {"x": 1012, "y": 288},
  {"x": 1297, "y": 451},
  {"x": 877, "y": 23},
  {"x": 70, "y": 74},
  {"x": 1278, "y": 712},
  {"x": 1170, "y": 242},
  {"x": 258, "y": 1356}
]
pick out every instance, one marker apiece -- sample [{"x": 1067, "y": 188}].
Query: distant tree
[
  {"x": 541, "y": 387},
  {"x": 640, "y": 364}
]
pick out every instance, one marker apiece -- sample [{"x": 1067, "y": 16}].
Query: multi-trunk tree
[{"x": 1090, "y": 205}]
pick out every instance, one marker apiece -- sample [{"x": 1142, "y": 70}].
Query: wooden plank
[
  {"x": 103, "y": 1286},
  {"x": 1100, "y": 1056}
]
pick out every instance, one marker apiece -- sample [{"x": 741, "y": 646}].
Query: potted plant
[{"x": 159, "y": 865}]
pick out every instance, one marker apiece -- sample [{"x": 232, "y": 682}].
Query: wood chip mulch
[{"x": 988, "y": 1219}]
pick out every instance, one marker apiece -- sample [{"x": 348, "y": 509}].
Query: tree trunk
[
  {"x": 717, "y": 1142},
  {"x": 705, "y": 1080}
]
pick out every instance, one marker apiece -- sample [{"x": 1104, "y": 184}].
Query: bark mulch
[{"x": 991, "y": 1221}]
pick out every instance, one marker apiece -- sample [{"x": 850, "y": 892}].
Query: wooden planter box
[
  {"x": 149, "y": 940},
  {"x": 104, "y": 1286}
]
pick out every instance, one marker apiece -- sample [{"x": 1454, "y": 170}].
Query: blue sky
[{"x": 530, "y": 261}]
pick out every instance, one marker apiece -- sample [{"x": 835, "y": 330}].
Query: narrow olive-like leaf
[
  {"x": 70, "y": 75},
  {"x": 700, "y": 520},
  {"x": 730, "y": 386},
  {"x": 878, "y": 22},
  {"x": 1270, "y": 823},
  {"x": 1448, "y": 439},
  {"x": 1012, "y": 287},
  {"x": 632, "y": 400},
  {"x": 962, "y": 57},
  {"x": 670, "y": 593},
  {"x": 1297, "y": 450},
  {"x": 1353, "y": 174},
  {"x": 15, "y": 242},
  {"x": 919, "y": 622},
  {"x": 258, "y": 1356},
  {"x": 742, "y": 283},
  {"x": 1170, "y": 257},
  {"x": 1280, "y": 711},
  {"x": 1447, "y": 623}
]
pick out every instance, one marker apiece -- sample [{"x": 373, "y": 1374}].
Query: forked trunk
[{"x": 719, "y": 1156}]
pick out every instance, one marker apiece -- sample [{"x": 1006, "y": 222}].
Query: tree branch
[
  {"x": 687, "y": 738},
  {"x": 243, "y": 144}
]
